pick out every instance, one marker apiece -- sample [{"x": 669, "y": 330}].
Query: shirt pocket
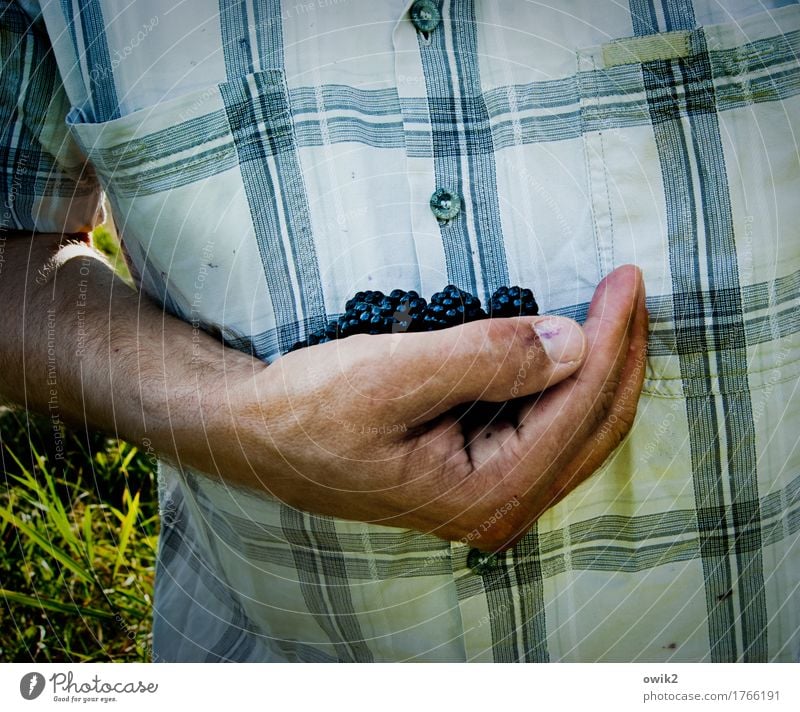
[
  {"x": 545, "y": 206},
  {"x": 209, "y": 199},
  {"x": 687, "y": 141}
]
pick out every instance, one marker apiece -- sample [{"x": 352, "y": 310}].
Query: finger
[
  {"x": 613, "y": 428},
  {"x": 489, "y": 360},
  {"x": 619, "y": 421},
  {"x": 555, "y": 426}
]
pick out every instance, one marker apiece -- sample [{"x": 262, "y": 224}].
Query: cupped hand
[{"x": 381, "y": 428}]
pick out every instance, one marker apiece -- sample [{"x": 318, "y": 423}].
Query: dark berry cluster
[
  {"x": 513, "y": 301},
  {"x": 373, "y": 312},
  {"x": 452, "y": 307}
]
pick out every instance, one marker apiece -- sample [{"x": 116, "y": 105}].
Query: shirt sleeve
[{"x": 46, "y": 184}]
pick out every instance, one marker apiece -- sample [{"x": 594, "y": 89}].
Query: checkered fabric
[{"x": 265, "y": 160}]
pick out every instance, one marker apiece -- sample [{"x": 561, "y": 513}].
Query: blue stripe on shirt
[{"x": 101, "y": 78}]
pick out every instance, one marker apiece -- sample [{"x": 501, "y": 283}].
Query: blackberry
[
  {"x": 372, "y": 312},
  {"x": 359, "y": 312},
  {"x": 452, "y": 307},
  {"x": 512, "y": 301},
  {"x": 332, "y": 330},
  {"x": 348, "y": 324},
  {"x": 317, "y": 337},
  {"x": 367, "y": 297},
  {"x": 409, "y": 313}
]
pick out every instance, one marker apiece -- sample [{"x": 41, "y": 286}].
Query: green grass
[
  {"x": 78, "y": 536},
  {"x": 105, "y": 240}
]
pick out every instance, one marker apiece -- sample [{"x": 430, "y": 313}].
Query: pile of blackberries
[{"x": 374, "y": 312}]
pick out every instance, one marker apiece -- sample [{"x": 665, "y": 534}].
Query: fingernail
[{"x": 562, "y": 339}]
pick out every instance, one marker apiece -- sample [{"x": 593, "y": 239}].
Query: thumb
[{"x": 491, "y": 360}]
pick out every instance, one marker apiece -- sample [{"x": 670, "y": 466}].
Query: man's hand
[
  {"x": 387, "y": 429},
  {"x": 374, "y": 428}
]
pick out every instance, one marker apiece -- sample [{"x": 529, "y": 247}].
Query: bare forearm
[{"x": 82, "y": 346}]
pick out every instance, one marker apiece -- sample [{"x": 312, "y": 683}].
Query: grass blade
[
  {"x": 88, "y": 534},
  {"x": 125, "y": 532},
  {"x": 48, "y": 499},
  {"x": 52, "y": 605},
  {"x": 54, "y": 551},
  {"x": 131, "y": 454}
]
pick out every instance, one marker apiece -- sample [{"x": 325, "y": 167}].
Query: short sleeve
[{"x": 46, "y": 184}]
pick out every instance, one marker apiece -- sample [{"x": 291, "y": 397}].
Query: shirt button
[
  {"x": 425, "y": 15},
  {"x": 480, "y": 562},
  {"x": 445, "y": 204}
]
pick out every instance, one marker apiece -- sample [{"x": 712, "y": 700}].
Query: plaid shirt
[{"x": 265, "y": 160}]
